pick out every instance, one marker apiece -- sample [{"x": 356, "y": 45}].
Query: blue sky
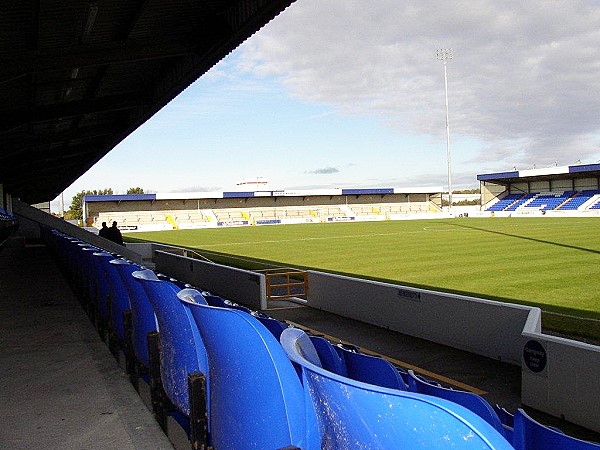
[{"x": 344, "y": 93}]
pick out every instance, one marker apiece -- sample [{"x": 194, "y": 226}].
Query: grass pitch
[{"x": 546, "y": 262}]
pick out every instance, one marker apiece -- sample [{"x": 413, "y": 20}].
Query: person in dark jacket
[
  {"x": 104, "y": 231},
  {"x": 114, "y": 234}
]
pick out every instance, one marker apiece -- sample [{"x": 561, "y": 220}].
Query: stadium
[
  {"x": 571, "y": 191},
  {"x": 266, "y": 318}
]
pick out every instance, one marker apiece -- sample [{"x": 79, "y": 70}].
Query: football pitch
[{"x": 546, "y": 262}]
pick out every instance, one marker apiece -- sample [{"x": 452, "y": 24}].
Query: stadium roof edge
[
  {"x": 119, "y": 197},
  {"x": 556, "y": 170},
  {"x": 265, "y": 193}
]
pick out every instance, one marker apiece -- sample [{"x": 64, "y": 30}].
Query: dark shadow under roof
[{"x": 77, "y": 77}]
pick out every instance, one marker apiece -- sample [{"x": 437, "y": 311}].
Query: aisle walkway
[{"x": 60, "y": 387}]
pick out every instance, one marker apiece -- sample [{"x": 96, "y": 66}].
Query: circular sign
[{"x": 534, "y": 356}]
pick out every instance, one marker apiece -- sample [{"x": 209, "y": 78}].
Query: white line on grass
[{"x": 323, "y": 238}]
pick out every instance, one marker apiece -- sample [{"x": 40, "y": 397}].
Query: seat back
[
  {"x": 371, "y": 369},
  {"x": 273, "y": 325},
  {"x": 469, "y": 400},
  {"x": 181, "y": 348},
  {"x": 116, "y": 292},
  {"x": 329, "y": 357},
  {"x": 100, "y": 280},
  {"x": 532, "y": 435},
  {"x": 143, "y": 320},
  {"x": 87, "y": 272},
  {"x": 257, "y": 400},
  {"x": 352, "y": 414},
  {"x": 119, "y": 296}
]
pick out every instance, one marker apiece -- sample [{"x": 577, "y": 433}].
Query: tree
[
  {"x": 76, "y": 209},
  {"x": 135, "y": 190}
]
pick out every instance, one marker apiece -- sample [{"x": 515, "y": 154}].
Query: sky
[{"x": 349, "y": 93}]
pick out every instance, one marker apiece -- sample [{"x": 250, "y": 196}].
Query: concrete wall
[
  {"x": 560, "y": 376},
  {"x": 479, "y": 326},
  {"x": 241, "y": 286}
]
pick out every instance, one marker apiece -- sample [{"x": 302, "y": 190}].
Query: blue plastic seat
[
  {"x": 86, "y": 274},
  {"x": 328, "y": 355},
  {"x": 213, "y": 300},
  {"x": 273, "y": 325},
  {"x": 118, "y": 295},
  {"x": 352, "y": 414},
  {"x": 469, "y": 400},
  {"x": 532, "y": 435},
  {"x": 257, "y": 401},
  {"x": 143, "y": 320},
  {"x": 105, "y": 290},
  {"x": 371, "y": 369},
  {"x": 182, "y": 351},
  {"x": 505, "y": 417}
]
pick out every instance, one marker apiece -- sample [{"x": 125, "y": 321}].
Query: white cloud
[
  {"x": 524, "y": 78},
  {"x": 324, "y": 170}
]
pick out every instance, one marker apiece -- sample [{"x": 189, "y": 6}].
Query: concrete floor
[{"x": 60, "y": 386}]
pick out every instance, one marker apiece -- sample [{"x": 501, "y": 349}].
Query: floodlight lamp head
[{"x": 444, "y": 54}]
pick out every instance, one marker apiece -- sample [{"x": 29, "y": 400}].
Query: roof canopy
[
  {"x": 78, "y": 76},
  {"x": 579, "y": 171}
]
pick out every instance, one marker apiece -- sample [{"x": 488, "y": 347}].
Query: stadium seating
[
  {"x": 521, "y": 201},
  {"x": 143, "y": 320},
  {"x": 505, "y": 202},
  {"x": 329, "y": 357},
  {"x": 562, "y": 201},
  {"x": 532, "y": 435},
  {"x": 352, "y": 414},
  {"x": 347, "y": 399},
  {"x": 548, "y": 202},
  {"x": 110, "y": 292},
  {"x": 578, "y": 200},
  {"x": 596, "y": 204},
  {"x": 257, "y": 399},
  {"x": 97, "y": 288},
  {"x": 371, "y": 369},
  {"x": 275, "y": 326},
  {"x": 182, "y": 351},
  {"x": 469, "y": 400}
]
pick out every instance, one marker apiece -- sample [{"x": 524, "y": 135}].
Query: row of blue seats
[
  {"x": 548, "y": 202},
  {"x": 522, "y": 200},
  {"x": 579, "y": 199},
  {"x": 567, "y": 200},
  {"x": 236, "y": 378},
  {"x": 505, "y": 202}
]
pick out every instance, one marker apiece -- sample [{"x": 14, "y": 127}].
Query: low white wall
[
  {"x": 479, "y": 326},
  {"x": 241, "y": 286},
  {"x": 560, "y": 377}
]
